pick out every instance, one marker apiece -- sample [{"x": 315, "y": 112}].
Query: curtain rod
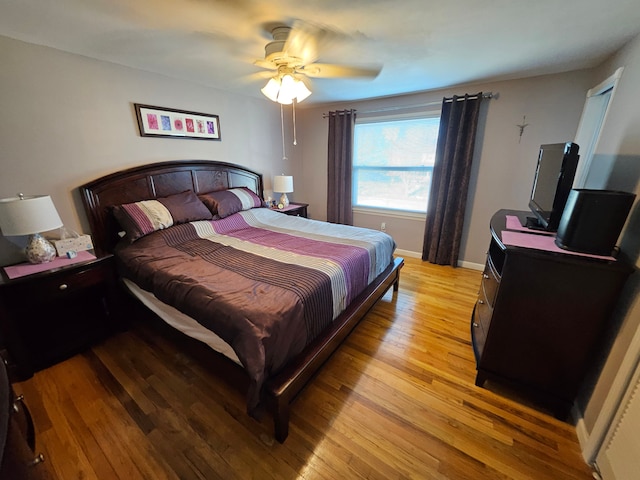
[{"x": 487, "y": 96}]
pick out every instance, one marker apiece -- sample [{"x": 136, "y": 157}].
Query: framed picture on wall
[{"x": 171, "y": 123}]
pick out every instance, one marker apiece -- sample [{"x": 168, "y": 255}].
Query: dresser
[
  {"x": 18, "y": 460},
  {"x": 540, "y": 317}
]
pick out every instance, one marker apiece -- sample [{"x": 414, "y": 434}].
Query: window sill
[{"x": 387, "y": 212}]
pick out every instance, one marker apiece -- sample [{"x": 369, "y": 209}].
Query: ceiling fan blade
[
  {"x": 302, "y": 42},
  {"x": 261, "y": 76},
  {"x": 326, "y": 70}
]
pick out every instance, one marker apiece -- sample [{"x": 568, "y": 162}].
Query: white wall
[
  {"x": 618, "y": 157},
  {"x": 67, "y": 119},
  {"x": 504, "y": 163}
]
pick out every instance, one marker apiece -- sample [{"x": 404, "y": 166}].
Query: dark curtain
[
  {"x": 450, "y": 180},
  {"x": 340, "y": 160}
]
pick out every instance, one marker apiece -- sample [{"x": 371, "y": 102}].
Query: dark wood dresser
[
  {"x": 540, "y": 317},
  {"x": 18, "y": 460}
]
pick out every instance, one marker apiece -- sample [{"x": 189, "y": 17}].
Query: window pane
[
  {"x": 393, "y": 161},
  {"x": 393, "y": 189}
]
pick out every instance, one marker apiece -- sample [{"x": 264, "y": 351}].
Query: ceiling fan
[{"x": 292, "y": 55}]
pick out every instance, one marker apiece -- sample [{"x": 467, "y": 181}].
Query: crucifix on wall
[{"x": 522, "y": 127}]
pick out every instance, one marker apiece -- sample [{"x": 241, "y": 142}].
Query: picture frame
[{"x": 164, "y": 122}]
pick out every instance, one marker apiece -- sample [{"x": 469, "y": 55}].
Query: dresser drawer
[
  {"x": 484, "y": 313},
  {"x": 490, "y": 282},
  {"x": 478, "y": 334}
]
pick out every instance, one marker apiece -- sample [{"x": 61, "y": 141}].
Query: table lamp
[
  {"x": 283, "y": 184},
  {"x": 30, "y": 215}
]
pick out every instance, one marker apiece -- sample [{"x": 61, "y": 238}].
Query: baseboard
[
  {"x": 471, "y": 265},
  {"x": 582, "y": 432},
  {"x": 407, "y": 253},
  {"x": 583, "y": 438},
  {"x": 410, "y": 254}
]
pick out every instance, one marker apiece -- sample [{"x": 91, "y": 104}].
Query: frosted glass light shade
[
  {"x": 24, "y": 215},
  {"x": 283, "y": 184},
  {"x": 271, "y": 89},
  {"x": 284, "y": 90}
]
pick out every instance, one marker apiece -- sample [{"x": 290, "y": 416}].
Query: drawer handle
[
  {"x": 484, "y": 275},
  {"x": 38, "y": 459},
  {"x": 481, "y": 302},
  {"x": 475, "y": 325},
  {"x": 19, "y": 398},
  {"x": 64, "y": 286}
]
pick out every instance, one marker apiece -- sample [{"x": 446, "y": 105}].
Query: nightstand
[
  {"x": 294, "y": 209},
  {"x": 49, "y": 316}
]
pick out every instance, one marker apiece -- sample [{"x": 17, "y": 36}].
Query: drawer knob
[
  {"x": 481, "y": 302},
  {"x": 38, "y": 459},
  {"x": 63, "y": 286},
  {"x": 475, "y": 325},
  {"x": 19, "y": 398},
  {"x": 484, "y": 275}
]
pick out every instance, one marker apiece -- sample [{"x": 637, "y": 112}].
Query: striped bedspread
[{"x": 266, "y": 283}]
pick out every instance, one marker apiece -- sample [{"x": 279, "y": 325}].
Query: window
[{"x": 393, "y": 162}]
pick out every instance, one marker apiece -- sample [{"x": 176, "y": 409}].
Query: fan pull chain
[
  {"x": 293, "y": 108},
  {"x": 284, "y": 155}
]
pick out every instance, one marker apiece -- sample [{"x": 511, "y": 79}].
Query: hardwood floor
[{"x": 396, "y": 401}]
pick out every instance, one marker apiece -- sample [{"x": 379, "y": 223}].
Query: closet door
[{"x": 618, "y": 457}]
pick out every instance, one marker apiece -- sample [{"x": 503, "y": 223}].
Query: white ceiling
[{"x": 421, "y": 44}]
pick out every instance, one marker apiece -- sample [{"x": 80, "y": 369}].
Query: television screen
[{"x": 552, "y": 183}]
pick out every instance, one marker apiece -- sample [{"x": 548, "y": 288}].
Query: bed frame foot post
[{"x": 281, "y": 419}]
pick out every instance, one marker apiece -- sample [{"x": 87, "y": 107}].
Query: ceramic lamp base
[
  {"x": 284, "y": 200},
  {"x": 39, "y": 249}
]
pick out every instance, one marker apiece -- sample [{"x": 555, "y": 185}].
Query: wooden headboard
[{"x": 155, "y": 180}]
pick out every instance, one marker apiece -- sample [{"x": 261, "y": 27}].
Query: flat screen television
[{"x": 555, "y": 170}]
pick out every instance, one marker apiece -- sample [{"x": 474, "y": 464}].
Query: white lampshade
[
  {"x": 283, "y": 184},
  {"x": 285, "y": 89},
  {"x": 25, "y": 215}
]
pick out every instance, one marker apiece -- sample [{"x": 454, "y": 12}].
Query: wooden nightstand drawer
[{"x": 57, "y": 285}]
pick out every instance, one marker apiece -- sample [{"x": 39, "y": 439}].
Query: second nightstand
[
  {"x": 49, "y": 316},
  {"x": 294, "y": 209}
]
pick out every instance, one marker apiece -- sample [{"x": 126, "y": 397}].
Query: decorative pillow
[
  {"x": 141, "y": 218},
  {"x": 227, "y": 202}
]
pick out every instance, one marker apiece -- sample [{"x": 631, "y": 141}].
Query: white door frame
[{"x": 594, "y": 115}]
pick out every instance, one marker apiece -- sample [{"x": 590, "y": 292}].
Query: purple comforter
[{"x": 265, "y": 283}]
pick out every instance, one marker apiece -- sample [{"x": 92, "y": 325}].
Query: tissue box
[{"x": 78, "y": 244}]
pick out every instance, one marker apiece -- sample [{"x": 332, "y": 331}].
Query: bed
[{"x": 273, "y": 293}]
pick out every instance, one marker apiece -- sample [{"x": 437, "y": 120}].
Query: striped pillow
[
  {"x": 227, "y": 202},
  {"x": 142, "y": 218}
]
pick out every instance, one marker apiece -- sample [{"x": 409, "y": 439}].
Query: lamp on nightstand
[
  {"x": 30, "y": 215},
  {"x": 283, "y": 184}
]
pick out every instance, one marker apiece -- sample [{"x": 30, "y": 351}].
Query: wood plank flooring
[{"x": 396, "y": 401}]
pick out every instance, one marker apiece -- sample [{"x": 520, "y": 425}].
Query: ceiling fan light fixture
[
  {"x": 302, "y": 91},
  {"x": 271, "y": 89},
  {"x": 285, "y": 89}
]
